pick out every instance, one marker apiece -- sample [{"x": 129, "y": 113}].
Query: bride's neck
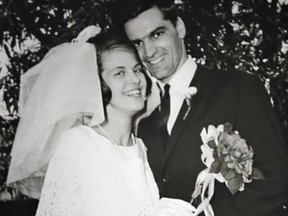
[{"x": 119, "y": 128}]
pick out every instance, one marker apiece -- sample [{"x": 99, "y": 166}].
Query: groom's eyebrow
[
  {"x": 153, "y": 32},
  {"x": 160, "y": 28}
]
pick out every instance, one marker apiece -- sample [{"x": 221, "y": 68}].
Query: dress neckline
[{"x": 108, "y": 138}]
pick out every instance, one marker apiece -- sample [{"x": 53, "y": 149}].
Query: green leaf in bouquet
[
  {"x": 215, "y": 166},
  {"x": 215, "y": 154},
  {"x": 212, "y": 144},
  {"x": 224, "y": 169},
  {"x": 234, "y": 184},
  {"x": 230, "y": 174},
  {"x": 228, "y": 128},
  {"x": 257, "y": 174}
]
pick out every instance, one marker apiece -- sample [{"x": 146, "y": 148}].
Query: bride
[{"x": 75, "y": 148}]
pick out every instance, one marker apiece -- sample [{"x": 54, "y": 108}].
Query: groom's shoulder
[{"x": 232, "y": 76}]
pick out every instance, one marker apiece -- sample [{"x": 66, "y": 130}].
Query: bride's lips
[{"x": 133, "y": 92}]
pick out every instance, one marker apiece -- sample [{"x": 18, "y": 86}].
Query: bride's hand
[{"x": 173, "y": 207}]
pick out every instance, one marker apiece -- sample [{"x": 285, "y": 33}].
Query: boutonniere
[
  {"x": 228, "y": 159},
  {"x": 191, "y": 91}
]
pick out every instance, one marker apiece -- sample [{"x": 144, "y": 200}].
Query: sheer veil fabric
[{"x": 54, "y": 95}]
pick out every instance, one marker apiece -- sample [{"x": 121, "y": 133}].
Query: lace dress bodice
[{"x": 89, "y": 175}]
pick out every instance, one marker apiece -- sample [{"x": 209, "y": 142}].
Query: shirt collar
[{"x": 182, "y": 79}]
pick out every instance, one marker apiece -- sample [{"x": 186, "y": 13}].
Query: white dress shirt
[{"x": 179, "y": 84}]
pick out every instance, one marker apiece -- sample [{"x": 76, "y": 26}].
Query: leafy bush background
[{"x": 244, "y": 34}]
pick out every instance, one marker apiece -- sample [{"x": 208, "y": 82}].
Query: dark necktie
[{"x": 164, "y": 115}]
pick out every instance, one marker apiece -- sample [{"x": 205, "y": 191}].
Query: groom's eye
[
  {"x": 139, "y": 69},
  {"x": 157, "y": 34}
]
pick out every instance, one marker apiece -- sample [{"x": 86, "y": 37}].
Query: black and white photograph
[{"x": 144, "y": 108}]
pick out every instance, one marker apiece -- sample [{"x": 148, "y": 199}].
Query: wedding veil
[{"x": 54, "y": 95}]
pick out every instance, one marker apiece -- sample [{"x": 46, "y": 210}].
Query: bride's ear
[{"x": 180, "y": 26}]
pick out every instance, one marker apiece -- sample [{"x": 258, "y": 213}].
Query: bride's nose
[{"x": 134, "y": 78}]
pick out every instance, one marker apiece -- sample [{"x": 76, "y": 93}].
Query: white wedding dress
[{"x": 89, "y": 175}]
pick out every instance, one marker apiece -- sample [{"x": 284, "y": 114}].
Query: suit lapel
[{"x": 181, "y": 123}]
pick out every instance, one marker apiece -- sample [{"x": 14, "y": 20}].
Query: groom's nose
[{"x": 149, "y": 49}]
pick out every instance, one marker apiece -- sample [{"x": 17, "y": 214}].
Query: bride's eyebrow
[
  {"x": 119, "y": 67},
  {"x": 116, "y": 69}
]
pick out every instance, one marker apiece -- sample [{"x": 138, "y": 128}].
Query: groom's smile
[{"x": 159, "y": 42}]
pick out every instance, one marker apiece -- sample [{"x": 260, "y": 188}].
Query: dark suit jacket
[{"x": 242, "y": 100}]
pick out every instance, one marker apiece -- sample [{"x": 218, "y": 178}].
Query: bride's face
[{"x": 124, "y": 76}]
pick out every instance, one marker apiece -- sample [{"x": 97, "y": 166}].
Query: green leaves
[
  {"x": 232, "y": 157},
  {"x": 228, "y": 128},
  {"x": 215, "y": 166},
  {"x": 235, "y": 183},
  {"x": 257, "y": 174}
]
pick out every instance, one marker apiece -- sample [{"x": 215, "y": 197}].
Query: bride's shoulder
[
  {"x": 74, "y": 140},
  {"x": 75, "y": 133}
]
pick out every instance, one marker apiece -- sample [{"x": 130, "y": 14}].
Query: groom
[{"x": 174, "y": 152}]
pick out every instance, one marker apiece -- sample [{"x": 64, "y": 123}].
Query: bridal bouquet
[{"x": 228, "y": 159}]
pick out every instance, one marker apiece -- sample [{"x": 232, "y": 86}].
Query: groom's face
[{"x": 159, "y": 42}]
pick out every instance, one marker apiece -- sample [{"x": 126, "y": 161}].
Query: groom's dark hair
[{"x": 125, "y": 10}]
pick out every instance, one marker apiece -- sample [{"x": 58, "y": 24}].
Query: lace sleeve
[{"x": 62, "y": 192}]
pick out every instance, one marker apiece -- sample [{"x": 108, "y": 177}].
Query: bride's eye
[{"x": 120, "y": 73}]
